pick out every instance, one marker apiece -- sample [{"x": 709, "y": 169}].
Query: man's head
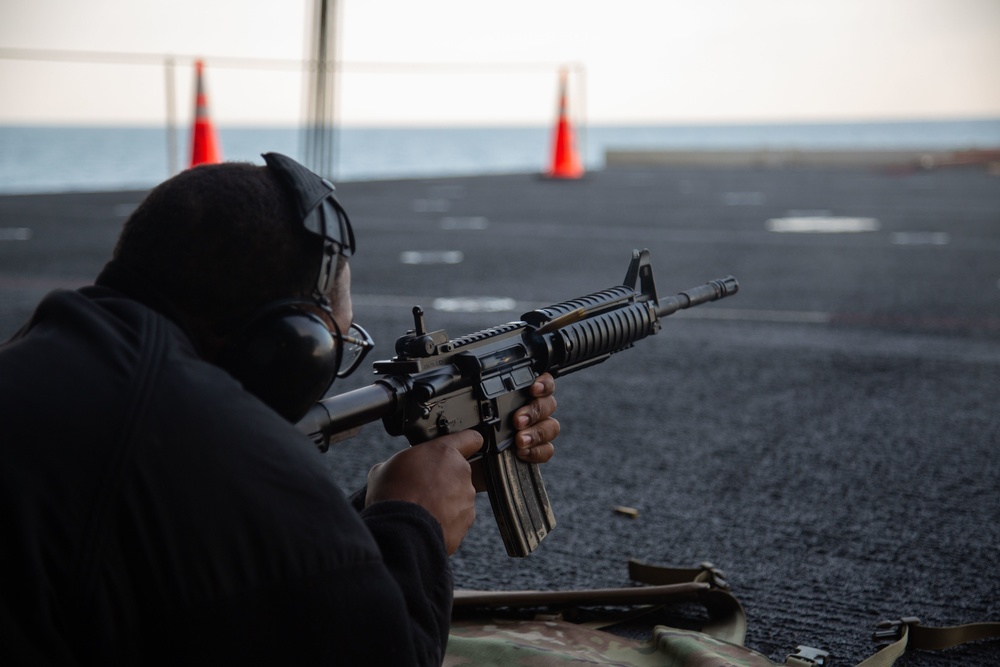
[
  {"x": 219, "y": 241},
  {"x": 253, "y": 259}
]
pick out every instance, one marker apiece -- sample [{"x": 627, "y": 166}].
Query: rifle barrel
[
  {"x": 347, "y": 411},
  {"x": 710, "y": 291}
]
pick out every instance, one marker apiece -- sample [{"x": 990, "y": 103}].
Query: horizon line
[{"x": 686, "y": 123}]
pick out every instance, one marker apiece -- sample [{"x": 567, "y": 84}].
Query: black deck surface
[{"x": 828, "y": 437}]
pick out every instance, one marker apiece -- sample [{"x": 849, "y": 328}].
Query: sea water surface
[{"x": 59, "y": 159}]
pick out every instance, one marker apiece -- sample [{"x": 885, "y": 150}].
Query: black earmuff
[{"x": 286, "y": 355}]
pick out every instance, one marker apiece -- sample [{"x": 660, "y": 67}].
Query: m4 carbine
[{"x": 436, "y": 385}]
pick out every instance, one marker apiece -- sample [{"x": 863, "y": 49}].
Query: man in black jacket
[{"x": 158, "y": 505}]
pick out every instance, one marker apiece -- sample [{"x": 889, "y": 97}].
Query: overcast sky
[{"x": 633, "y": 61}]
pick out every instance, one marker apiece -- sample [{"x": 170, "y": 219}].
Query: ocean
[{"x": 36, "y": 159}]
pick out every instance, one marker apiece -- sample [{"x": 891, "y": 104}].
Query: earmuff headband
[{"x": 320, "y": 211}]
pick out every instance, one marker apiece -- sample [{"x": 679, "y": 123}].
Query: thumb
[{"x": 467, "y": 442}]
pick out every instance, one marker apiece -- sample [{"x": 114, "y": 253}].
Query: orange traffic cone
[
  {"x": 204, "y": 142},
  {"x": 565, "y": 161}
]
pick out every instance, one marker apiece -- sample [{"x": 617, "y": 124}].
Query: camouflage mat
[{"x": 535, "y": 643}]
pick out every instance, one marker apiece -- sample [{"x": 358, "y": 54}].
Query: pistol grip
[{"x": 520, "y": 503}]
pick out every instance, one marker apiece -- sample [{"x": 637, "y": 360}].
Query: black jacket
[{"x": 151, "y": 511}]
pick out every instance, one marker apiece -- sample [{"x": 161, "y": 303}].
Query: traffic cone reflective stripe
[
  {"x": 565, "y": 160},
  {"x": 204, "y": 142}
]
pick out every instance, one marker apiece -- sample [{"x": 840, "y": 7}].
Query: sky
[{"x": 469, "y": 62}]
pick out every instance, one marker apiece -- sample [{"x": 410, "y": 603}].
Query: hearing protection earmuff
[
  {"x": 286, "y": 355},
  {"x": 289, "y": 351}
]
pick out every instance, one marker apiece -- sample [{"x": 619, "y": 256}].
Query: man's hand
[
  {"x": 436, "y": 476},
  {"x": 536, "y": 427}
]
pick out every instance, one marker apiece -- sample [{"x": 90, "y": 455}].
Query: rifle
[{"x": 436, "y": 385}]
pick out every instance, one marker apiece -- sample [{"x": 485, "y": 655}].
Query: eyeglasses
[{"x": 356, "y": 346}]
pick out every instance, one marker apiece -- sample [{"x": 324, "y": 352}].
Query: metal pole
[
  {"x": 582, "y": 106},
  {"x": 320, "y": 135},
  {"x": 172, "y": 167}
]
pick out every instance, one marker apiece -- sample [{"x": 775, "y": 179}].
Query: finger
[
  {"x": 544, "y": 431},
  {"x": 537, "y": 410},
  {"x": 544, "y": 385},
  {"x": 467, "y": 442},
  {"x": 539, "y": 454}
]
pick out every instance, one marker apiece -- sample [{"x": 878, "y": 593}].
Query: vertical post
[
  {"x": 168, "y": 73},
  {"x": 581, "y": 106},
  {"x": 320, "y": 132}
]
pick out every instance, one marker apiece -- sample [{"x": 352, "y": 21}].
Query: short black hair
[{"x": 221, "y": 240}]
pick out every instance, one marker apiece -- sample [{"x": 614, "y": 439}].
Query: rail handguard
[{"x": 436, "y": 385}]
